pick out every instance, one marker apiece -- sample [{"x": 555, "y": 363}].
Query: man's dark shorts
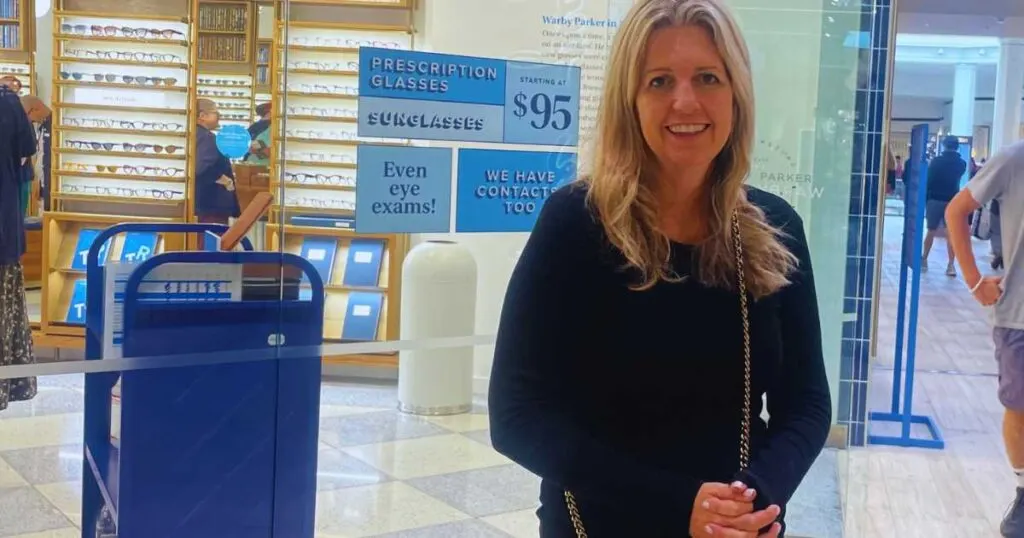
[
  {"x": 935, "y": 214},
  {"x": 1010, "y": 355}
]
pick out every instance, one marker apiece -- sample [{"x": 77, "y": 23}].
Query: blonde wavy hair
[{"x": 620, "y": 188}]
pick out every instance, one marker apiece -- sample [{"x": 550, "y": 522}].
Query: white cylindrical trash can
[{"x": 438, "y": 301}]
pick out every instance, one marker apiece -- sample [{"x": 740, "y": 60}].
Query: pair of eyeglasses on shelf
[
  {"x": 322, "y": 112},
  {"x": 235, "y": 117},
  {"x": 99, "y": 30},
  {"x": 130, "y": 80},
  {"x": 311, "y": 134},
  {"x": 303, "y": 178},
  {"x": 223, "y": 81},
  {"x": 122, "y": 55},
  {"x": 121, "y": 146},
  {"x": 333, "y": 89},
  {"x": 343, "y": 42},
  {"x": 316, "y": 157},
  {"x": 154, "y": 171},
  {"x": 102, "y": 190},
  {"x": 222, "y": 93},
  {"x": 13, "y": 70},
  {"x": 106, "y": 123},
  {"x": 324, "y": 67},
  {"x": 321, "y": 203}
]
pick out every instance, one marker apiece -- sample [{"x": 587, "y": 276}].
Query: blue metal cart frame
[{"x": 223, "y": 450}]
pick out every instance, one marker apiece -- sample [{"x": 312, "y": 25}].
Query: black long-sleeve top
[{"x": 633, "y": 399}]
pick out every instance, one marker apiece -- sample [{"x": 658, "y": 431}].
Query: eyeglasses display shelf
[
  {"x": 122, "y": 141},
  {"x": 318, "y": 151}
]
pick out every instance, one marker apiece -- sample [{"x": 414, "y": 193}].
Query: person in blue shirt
[
  {"x": 17, "y": 145},
  {"x": 944, "y": 174}
]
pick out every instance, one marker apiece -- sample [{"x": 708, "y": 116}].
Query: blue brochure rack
[
  {"x": 914, "y": 201},
  {"x": 224, "y": 450}
]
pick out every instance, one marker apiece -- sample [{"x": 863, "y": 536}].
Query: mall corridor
[{"x": 959, "y": 492}]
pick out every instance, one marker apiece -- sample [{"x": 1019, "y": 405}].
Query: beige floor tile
[
  {"x": 69, "y": 532},
  {"x": 327, "y": 411},
  {"x": 379, "y": 509},
  {"x": 9, "y": 478},
  {"x": 427, "y": 456},
  {"x": 31, "y": 432},
  {"x": 466, "y": 422},
  {"x": 521, "y": 524},
  {"x": 66, "y": 496}
]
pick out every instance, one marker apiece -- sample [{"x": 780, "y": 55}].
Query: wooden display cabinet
[{"x": 61, "y": 246}]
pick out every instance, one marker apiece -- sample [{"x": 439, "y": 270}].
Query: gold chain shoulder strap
[{"x": 737, "y": 241}]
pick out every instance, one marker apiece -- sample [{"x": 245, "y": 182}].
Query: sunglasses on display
[
  {"x": 223, "y": 82},
  {"x": 121, "y": 31},
  {"x": 152, "y": 171},
  {"x": 124, "y": 56},
  {"x": 306, "y": 156},
  {"x": 322, "y": 112},
  {"x": 11, "y": 70},
  {"x": 341, "y": 136},
  {"x": 158, "y": 194},
  {"x": 123, "y": 146},
  {"x": 105, "y": 123},
  {"x": 324, "y": 67},
  {"x": 342, "y": 42},
  {"x": 324, "y": 89},
  {"x": 303, "y": 178},
  {"x": 125, "y": 79},
  {"x": 222, "y": 93},
  {"x": 320, "y": 203}
]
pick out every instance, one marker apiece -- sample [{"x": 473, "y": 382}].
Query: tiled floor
[
  {"x": 959, "y": 492},
  {"x": 381, "y": 473},
  {"x": 386, "y": 474}
]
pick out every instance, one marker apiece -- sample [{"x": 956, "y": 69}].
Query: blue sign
[
  {"x": 915, "y": 197},
  {"x": 76, "y": 307},
  {"x": 422, "y": 95},
  {"x": 403, "y": 189},
  {"x": 86, "y": 237},
  {"x": 503, "y": 191},
  {"x": 138, "y": 246},
  {"x": 233, "y": 141}
]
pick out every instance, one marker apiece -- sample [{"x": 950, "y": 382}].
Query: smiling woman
[{"x": 658, "y": 301}]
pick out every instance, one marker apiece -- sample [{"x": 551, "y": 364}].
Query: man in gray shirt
[{"x": 1002, "y": 180}]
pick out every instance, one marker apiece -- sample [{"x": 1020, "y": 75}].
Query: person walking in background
[
  {"x": 216, "y": 201},
  {"x": 944, "y": 174},
  {"x": 662, "y": 280},
  {"x": 17, "y": 144},
  {"x": 1001, "y": 180}
]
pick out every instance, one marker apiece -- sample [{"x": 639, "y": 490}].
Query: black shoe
[
  {"x": 1013, "y": 523},
  {"x": 997, "y": 263}
]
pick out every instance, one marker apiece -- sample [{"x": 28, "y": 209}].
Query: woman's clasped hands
[{"x": 727, "y": 511}]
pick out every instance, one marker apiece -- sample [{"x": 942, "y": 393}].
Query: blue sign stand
[
  {"x": 906, "y": 323},
  {"x": 207, "y": 451}
]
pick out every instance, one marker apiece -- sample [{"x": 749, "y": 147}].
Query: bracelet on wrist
[{"x": 975, "y": 287}]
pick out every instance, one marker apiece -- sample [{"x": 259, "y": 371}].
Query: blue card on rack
[
  {"x": 76, "y": 308},
  {"x": 362, "y": 316},
  {"x": 320, "y": 251},
  {"x": 362, "y": 268},
  {"x": 86, "y": 237},
  {"x": 138, "y": 247}
]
